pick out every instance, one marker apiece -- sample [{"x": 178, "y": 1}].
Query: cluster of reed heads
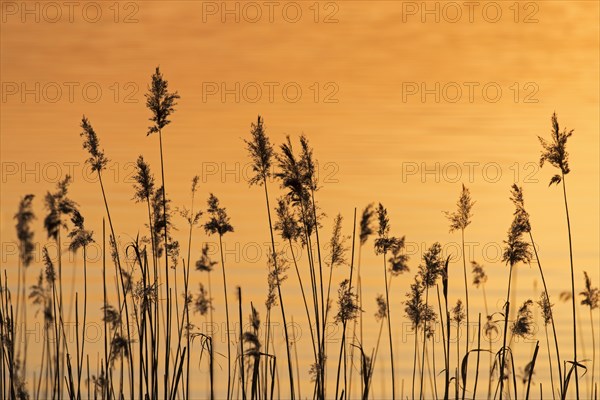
[{"x": 152, "y": 294}]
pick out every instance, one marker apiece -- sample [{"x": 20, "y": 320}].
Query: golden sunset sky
[{"x": 403, "y": 102}]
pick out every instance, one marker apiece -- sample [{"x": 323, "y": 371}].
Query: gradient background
[{"x": 374, "y": 142}]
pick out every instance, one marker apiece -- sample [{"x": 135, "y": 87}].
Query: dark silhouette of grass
[
  {"x": 162, "y": 103},
  {"x": 383, "y": 244},
  {"x": 519, "y": 202},
  {"x": 459, "y": 220},
  {"x": 261, "y": 154},
  {"x": 516, "y": 251},
  {"x": 555, "y": 153},
  {"x": 218, "y": 224},
  {"x": 162, "y": 345},
  {"x": 366, "y": 230}
]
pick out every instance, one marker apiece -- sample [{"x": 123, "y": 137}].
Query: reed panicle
[
  {"x": 522, "y": 326},
  {"x": 160, "y": 101},
  {"x": 24, "y": 217},
  {"x": 26, "y": 247}
]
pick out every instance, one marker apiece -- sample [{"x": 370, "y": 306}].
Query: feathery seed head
[
  {"x": 261, "y": 153},
  {"x": 555, "y": 151},
  {"x": 91, "y": 143},
  {"x": 366, "y": 223},
  {"x": 591, "y": 295},
  {"x": 160, "y": 102},
  {"x": 218, "y": 221},
  {"x": 24, "y": 217},
  {"x": 523, "y": 325},
  {"x": 461, "y": 218}
]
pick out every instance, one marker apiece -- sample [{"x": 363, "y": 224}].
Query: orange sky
[{"x": 362, "y": 68}]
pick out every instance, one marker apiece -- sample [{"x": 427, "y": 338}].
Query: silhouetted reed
[
  {"x": 365, "y": 231},
  {"x": 261, "y": 154},
  {"x": 161, "y": 104},
  {"x": 25, "y": 236},
  {"x": 458, "y": 316},
  {"x": 518, "y": 200},
  {"x": 479, "y": 280},
  {"x": 297, "y": 178},
  {"x": 459, "y": 220},
  {"x": 80, "y": 239},
  {"x": 419, "y": 314},
  {"x": 516, "y": 251},
  {"x": 555, "y": 153},
  {"x": 428, "y": 273},
  {"x": 383, "y": 244},
  {"x": 60, "y": 207},
  {"x": 218, "y": 224}
]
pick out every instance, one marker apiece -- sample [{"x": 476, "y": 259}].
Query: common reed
[
  {"x": 554, "y": 152},
  {"x": 261, "y": 154},
  {"x": 218, "y": 224},
  {"x": 516, "y": 251},
  {"x": 459, "y": 221},
  {"x": 383, "y": 244}
]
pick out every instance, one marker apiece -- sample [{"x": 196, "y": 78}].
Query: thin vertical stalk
[
  {"x": 107, "y": 394},
  {"x": 387, "y": 299},
  {"x": 414, "y": 370},
  {"x": 168, "y": 318},
  {"x": 61, "y": 367},
  {"x": 464, "y": 384},
  {"x": 535, "y": 353},
  {"x": 80, "y": 361},
  {"x": 285, "y": 328},
  {"x": 572, "y": 286},
  {"x": 506, "y": 312},
  {"x": 558, "y": 363},
  {"x": 227, "y": 319},
  {"x": 437, "y": 287},
  {"x": 593, "y": 350},
  {"x": 478, "y": 354},
  {"x": 120, "y": 274},
  {"x": 358, "y": 322},
  {"x": 323, "y": 305},
  {"x": 424, "y": 345},
  {"x": 550, "y": 361},
  {"x": 344, "y": 322},
  {"x": 242, "y": 370}
]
